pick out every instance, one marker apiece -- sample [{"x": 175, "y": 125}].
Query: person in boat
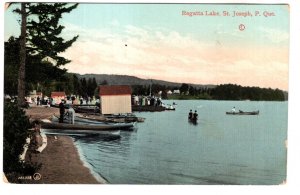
[
  {"x": 61, "y": 111},
  {"x": 71, "y": 115},
  {"x": 195, "y": 116},
  {"x": 233, "y": 109},
  {"x": 190, "y": 115}
]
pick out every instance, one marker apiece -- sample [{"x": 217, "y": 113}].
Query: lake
[{"x": 219, "y": 149}]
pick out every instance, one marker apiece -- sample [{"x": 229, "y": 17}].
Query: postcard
[{"x": 146, "y": 93}]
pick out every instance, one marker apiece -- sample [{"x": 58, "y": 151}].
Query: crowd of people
[
  {"x": 48, "y": 101},
  {"x": 139, "y": 100}
]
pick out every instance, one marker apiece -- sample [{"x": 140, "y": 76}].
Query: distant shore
[{"x": 61, "y": 163}]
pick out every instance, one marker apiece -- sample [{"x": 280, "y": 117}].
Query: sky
[{"x": 157, "y": 41}]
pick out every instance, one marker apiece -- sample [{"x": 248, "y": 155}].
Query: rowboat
[
  {"x": 243, "y": 113},
  {"x": 192, "y": 120},
  {"x": 84, "y": 126},
  {"x": 111, "y": 118}
]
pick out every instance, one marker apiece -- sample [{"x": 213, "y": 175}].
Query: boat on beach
[
  {"x": 243, "y": 113},
  {"x": 81, "y": 132},
  {"x": 111, "y": 118},
  {"x": 84, "y": 126}
]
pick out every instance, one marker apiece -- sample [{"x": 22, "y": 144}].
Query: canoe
[{"x": 243, "y": 113}]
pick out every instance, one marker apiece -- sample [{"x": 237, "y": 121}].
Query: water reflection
[{"x": 167, "y": 149}]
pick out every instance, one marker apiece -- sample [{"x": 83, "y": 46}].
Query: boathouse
[
  {"x": 57, "y": 96},
  {"x": 115, "y": 99}
]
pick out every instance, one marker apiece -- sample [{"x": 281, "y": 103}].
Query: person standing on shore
[
  {"x": 38, "y": 100},
  {"x": 71, "y": 113},
  {"x": 61, "y": 111}
]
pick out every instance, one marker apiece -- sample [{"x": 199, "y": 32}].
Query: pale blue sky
[
  {"x": 169, "y": 17},
  {"x": 212, "y": 46}
]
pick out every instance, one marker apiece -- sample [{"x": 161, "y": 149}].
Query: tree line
[
  {"x": 238, "y": 92},
  {"x": 219, "y": 92},
  {"x": 41, "y": 74}
]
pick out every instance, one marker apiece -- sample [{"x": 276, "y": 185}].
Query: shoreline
[
  {"x": 97, "y": 176},
  {"x": 62, "y": 162}
]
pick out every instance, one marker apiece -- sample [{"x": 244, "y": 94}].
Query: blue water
[{"x": 220, "y": 149}]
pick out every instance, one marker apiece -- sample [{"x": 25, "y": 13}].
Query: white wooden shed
[{"x": 115, "y": 99}]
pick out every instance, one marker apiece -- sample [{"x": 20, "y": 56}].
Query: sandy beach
[
  {"x": 41, "y": 112},
  {"x": 60, "y": 160}
]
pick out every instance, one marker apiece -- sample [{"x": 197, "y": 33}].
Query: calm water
[{"x": 220, "y": 149}]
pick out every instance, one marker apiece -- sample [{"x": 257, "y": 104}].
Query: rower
[{"x": 233, "y": 109}]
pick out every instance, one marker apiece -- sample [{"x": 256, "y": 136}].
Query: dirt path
[{"x": 60, "y": 160}]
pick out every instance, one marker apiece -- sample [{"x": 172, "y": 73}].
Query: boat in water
[
  {"x": 243, "y": 113},
  {"x": 193, "y": 120}
]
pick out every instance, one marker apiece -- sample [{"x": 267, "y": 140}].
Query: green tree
[
  {"x": 76, "y": 85},
  {"x": 184, "y": 88},
  {"x": 83, "y": 87},
  {"x": 89, "y": 87},
  {"x": 192, "y": 91},
  {"x": 104, "y": 82},
  {"x": 40, "y": 72},
  {"x": 15, "y": 131},
  {"x": 12, "y": 62},
  {"x": 94, "y": 86},
  {"x": 40, "y": 30}
]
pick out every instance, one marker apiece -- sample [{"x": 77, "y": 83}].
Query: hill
[{"x": 132, "y": 80}]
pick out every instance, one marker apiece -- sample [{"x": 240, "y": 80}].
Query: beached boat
[
  {"x": 124, "y": 118},
  {"x": 85, "y": 126},
  {"x": 111, "y": 118},
  {"x": 86, "y": 109},
  {"x": 243, "y": 113},
  {"x": 81, "y": 132}
]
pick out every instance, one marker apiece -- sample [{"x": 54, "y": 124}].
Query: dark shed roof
[{"x": 115, "y": 90}]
